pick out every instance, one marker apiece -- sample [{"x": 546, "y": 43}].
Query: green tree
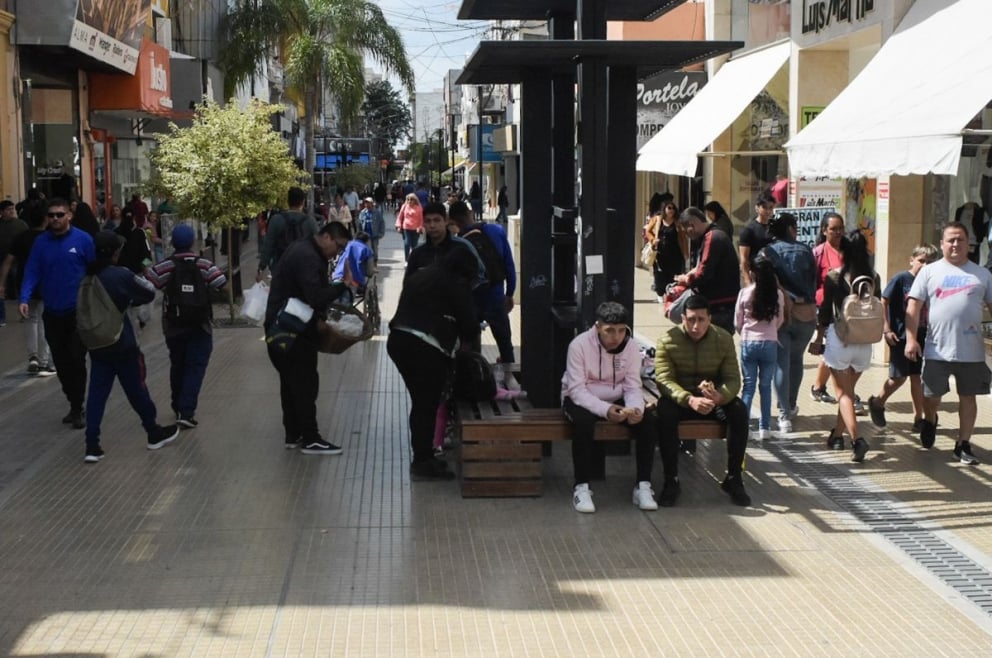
[
  {"x": 387, "y": 117},
  {"x": 322, "y": 43},
  {"x": 228, "y": 165}
]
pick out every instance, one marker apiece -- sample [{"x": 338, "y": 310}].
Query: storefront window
[
  {"x": 52, "y": 163},
  {"x": 760, "y": 22},
  {"x": 969, "y": 197},
  {"x": 759, "y": 134}
]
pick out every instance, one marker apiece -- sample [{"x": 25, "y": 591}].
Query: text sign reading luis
[
  {"x": 821, "y": 14},
  {"x": 807, "y": 221}
]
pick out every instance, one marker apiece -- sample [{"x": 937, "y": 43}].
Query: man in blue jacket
[
  {"x": 123, "y": 360},
  {"x": 56, "y": 265},
  {"x": 494, "y": 301}
]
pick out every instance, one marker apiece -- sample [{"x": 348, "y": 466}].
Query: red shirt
[{"x": 827, "y": 259}]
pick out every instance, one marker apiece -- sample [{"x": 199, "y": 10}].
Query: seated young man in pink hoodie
[{"x": 603, "y": 380}]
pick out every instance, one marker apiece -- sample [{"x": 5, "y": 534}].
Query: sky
[{"x": 435, "y": 39}]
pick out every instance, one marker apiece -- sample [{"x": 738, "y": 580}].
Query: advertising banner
[
  {"x": 110, "y": 31},
  {"x": 489, "y": 152},
  {"x": 808, "y": 220},
  {"x": 148, "y": 90},
  {"x": 660, "y": 97}
]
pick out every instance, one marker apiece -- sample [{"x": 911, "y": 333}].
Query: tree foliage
[
  {"x": 387, "y": 117},
  {"x": 228, "y": 165}
]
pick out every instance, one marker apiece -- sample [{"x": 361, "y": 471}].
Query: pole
[{"x": 478, "y": 141}]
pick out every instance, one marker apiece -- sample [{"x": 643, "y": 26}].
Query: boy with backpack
[
  {"x": 283, "y": 229},
  {"x": 494, "y": 300},
  {"x": 104, "y": 295},
  {"x": 186, "y": 319}
]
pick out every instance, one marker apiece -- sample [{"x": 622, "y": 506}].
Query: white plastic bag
[{"x": 255, "y": 300}]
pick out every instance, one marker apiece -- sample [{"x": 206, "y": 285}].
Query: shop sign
[
  {"x": 660, "y": 97},
  {"x": 808, "y": 220},
  {"x": 489, "y": 152},
  {"x": 807, "y": 113},
  {"x": 822, "y": 14},
  {"x": 148, "y": 90},
  {"x": 819, "y": 191},
  {"x": 110, "y": 32}
]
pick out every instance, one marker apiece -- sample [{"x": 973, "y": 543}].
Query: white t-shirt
[{"x": 956, "y": 295}]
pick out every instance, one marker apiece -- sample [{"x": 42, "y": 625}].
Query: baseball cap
[
  {"x": 370, "y": 199},
  {"x": 106, "y": 243},
  {"x": 183, "y": 236}
]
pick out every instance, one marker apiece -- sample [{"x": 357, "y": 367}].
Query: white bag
[{"x": 255, "y": 300}]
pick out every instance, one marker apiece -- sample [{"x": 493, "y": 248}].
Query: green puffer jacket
[{"x": 680, "y": 364}]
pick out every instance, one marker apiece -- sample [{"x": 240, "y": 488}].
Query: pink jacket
[
  {"x": 410, "y": 218},
  {"x": 594, "y": 379}
]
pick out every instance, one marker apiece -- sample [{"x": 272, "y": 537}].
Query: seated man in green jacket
[{"x": 698, "y": 376}]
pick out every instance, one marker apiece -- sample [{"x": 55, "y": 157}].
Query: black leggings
[{"x": 425, "y": 372}]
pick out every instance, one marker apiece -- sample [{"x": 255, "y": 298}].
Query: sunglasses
[{"x": 56, "y": 215}]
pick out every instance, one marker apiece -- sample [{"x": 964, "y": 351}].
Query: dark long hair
[
  {"x": 654, "y": 204},
  {"x": 715, "y": 208},
  {"x": 764, "y": 301},
  {"x": 854, "y": 249}
]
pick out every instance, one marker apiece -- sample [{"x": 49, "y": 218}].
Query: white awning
[
  {"x": 675, "y": 148},
  {"x": 904, "y": 113}
]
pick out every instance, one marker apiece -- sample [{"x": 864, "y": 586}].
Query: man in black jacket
[
  {"x": 301, "y": 273},
  {"x": 715, "y": 273}
]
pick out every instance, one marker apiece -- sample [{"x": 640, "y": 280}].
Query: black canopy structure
[{"x": 577, "y": 195}]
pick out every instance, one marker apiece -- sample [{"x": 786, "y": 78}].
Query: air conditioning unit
[{"x": 163, "y": 32}]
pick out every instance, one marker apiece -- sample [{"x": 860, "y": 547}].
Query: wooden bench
[{"x": 501, "y": 443}]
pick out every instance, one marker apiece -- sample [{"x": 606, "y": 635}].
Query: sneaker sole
[
  {"x": 318, "y": 451},
  {"x": 968, "y": 461},
  {"x": 92, "y": 459},
  {"x": 46, "y": 373},
  {"x": 292, "y": 446},
  {"x": 186, "y": 425},
  {"x": 164, "y": 442}
]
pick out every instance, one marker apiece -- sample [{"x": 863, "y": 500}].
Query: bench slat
[
  {"x": 497, "y": 451},
  {"x": 501, "y": 488},
  {"x": 501, "y": 470}
]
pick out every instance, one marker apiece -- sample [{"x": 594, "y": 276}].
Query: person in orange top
[{"x": 410, "y": 222}]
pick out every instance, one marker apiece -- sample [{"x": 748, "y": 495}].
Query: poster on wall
[
  {"x": 819, "y": 191},
  {"x": 860, "y": 211},
  {"x": 660, "y": 97},
  {"x": 808, "y": 219},
  {"x": 110, "y": 31}
]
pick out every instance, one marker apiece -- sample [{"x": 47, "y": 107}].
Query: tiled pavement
[{"x": 226, "y": 544}]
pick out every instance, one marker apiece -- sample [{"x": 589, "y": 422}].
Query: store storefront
[{"x": 903, "y": 133}]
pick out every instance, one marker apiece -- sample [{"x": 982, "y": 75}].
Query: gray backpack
[{"x": 98, "y": 320}]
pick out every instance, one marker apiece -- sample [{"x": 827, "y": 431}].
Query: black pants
[
  {"x": 425, "y": 371},
  {"x": 723, "y": 316},
  {"x": 669, "y": 415},
  {"x": 68, "y": 355},
  {"x": 298, "y": 387},
  {"x": 584, "y": 453}
]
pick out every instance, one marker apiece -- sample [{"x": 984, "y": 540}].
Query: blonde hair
[
  {"x": 930, "y": 252},
  {"x": 412, "y": 197}
]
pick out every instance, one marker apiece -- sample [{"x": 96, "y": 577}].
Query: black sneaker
[
  {"x": 93, "y": 454},
  {"x": 430, "y": 469},
  {"x": 821, "y": 395},
  {"x": 688, "y": 447},
  {"x": 734, "y": 486},
  {"x": 670, "y": 492},
  {"x": 292, "y": 444},
  {"x": 34, "y": 366},
  {"x": 835, "y": 441},
  {"x": 928, "y": 433},
  {"x": 186, "y": 422},
  {"x": 877, "y": 412},
  {"x": 962, "y": 451},
  {"x": 320, "y": 447},
  {"x": 162, "y": 436},
  {"x": 75, "y": 418},
  {"x": 860, "y": 447},
  {"x": 917, "y": 424}
]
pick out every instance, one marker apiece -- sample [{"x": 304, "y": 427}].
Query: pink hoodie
[
  {"x": 410, "y": 217},
  {"x": 594, "y": 379}
]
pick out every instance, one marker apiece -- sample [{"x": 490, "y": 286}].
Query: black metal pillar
[
  {"x": 621, "y": 186},
  {"x": 536, "y": 347}
]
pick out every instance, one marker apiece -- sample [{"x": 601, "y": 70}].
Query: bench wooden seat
[{"x": 501, "y": 444}]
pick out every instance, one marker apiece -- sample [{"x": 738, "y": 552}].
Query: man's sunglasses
[{"x": 57, "y": 215}]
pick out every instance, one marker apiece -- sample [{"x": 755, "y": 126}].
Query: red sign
[{"x": 148, "y": 90}]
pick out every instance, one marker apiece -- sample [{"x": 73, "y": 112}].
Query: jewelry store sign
[{"x": 110, "y": 31}]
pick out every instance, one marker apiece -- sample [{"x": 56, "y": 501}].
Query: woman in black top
[{"x": 669, "y": 240}]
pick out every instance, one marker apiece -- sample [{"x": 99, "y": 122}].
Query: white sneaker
[
  {"x": 764, "y": 435},
  {"x": 784, "y": 424},
  {"x": 582, "y": 499},
  {"x": 644, "y": 497}
]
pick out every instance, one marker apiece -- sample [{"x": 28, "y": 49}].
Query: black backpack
[
  {"x": 187, "y": 300},
  {"x": 292, "y": 231},
  {"x": 491, "y": 258},
  {"x": 474, "y": 379}
]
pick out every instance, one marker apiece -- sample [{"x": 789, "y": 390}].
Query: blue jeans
[
  {"x": 189, "y": 354},
  {"x": 792, "y": 339},
  {"x": 128, "y": 367},
  {"x": 758, "y": 363},
  {"x": 410, "y": 240}
]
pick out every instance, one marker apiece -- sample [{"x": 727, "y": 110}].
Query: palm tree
[{"x": 321, "y": 43}]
